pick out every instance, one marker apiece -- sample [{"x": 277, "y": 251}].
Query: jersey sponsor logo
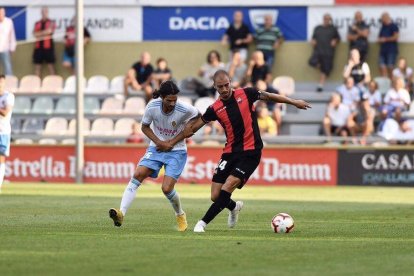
[
  {"x": 221, "y": 109},
  {"x": 256, "y": 17}
]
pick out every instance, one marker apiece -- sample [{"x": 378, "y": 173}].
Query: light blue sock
[{"x": 174, "y": 199}]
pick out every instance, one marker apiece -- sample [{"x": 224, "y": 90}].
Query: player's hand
[
  {"x": 164, "y": 146},
  {"x": 301, "y": 104}
]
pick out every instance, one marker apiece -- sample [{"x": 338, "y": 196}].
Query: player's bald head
[{"x": 221, "y": 75}]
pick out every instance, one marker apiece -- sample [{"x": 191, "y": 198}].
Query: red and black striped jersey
[{"x": 238, "y": 117}]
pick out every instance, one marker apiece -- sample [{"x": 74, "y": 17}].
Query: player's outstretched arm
[{"x": 266, "y": 96}]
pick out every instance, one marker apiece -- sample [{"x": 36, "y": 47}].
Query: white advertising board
[
  {"x": 343, "y": 17},
  {"x": 120, "y": 24}
]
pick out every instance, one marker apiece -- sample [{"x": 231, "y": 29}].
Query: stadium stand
[
  {"x": 97, "y": 84},
  {"x": 91, "y": 105},
  {"x": 52, "y": 84},
  {"x": 56, "y": 126},
  {"x": 203, "y": 103},
  {"x": 117, "y": 85},
  {"x": 65, "y": 105},
  {"x": 112, "y": 105},
  {"x": 384, "y": 84},
  {"x": 102, "y": 127},
  {"x": 134, "y": 105},
  {"x": 285, "y": 85},
  {"x": 47, "y": 141},
  {"x": 70, "y": 85},
  {"x": 72, "y": 127},
  {"x": 43, "y": 105},
  {"x": 22, "y": 104},
  {"x": 123, "y": 126},
  {"x": 29, "y": 84},
  {"x": 32, "y": 126},
  {"x": 12, "y": 83}
]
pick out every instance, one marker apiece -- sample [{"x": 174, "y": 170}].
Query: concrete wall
[{"x": 185, "y": 58}]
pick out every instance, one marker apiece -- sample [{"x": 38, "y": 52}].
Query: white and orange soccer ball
[{"x": 282, "y": 223}]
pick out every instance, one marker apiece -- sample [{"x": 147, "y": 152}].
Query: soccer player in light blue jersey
[
  {"x": 163, "y": 120},
  {"x": 6, "y": 107}
]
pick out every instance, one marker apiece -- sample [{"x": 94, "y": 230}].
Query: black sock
[
  {"x": 231, "y": 205},
  {"x": 222, "y": 201}
]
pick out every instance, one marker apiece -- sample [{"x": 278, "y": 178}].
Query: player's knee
[
  {"x": 214, "y": 197},
  {"x": 140, "y": 175},
  {"x": 166, "y": 189}
]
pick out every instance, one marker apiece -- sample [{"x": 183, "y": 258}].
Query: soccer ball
[{"x": 282, "y": 223}]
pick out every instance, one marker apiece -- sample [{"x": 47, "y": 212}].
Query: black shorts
[
  {"x": 240, "y": 165},
  {"x": 44, "y": 55},
  {"x": 326, "y": 64}
]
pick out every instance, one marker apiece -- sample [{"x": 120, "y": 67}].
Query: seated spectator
[
  {"x": 237, "y": 70},
  {"x": 267, "y": 125},
  {"x": 396, "y": 100},
  {"x": 336, "y": 118},
  {"x": 349, "y": 93},
  {"x": 70, "y": 39},
  {"x": 213, "y": 128},
  {"x": 136, "y": 136},
  {"x": 206, "y": 73},
  {"x": 139, "y": 77},
  {"x": 258, "y": 69},
  {"x": 374, "y": 96},
  {"x": 161, "y": 73},
  {"x": 274, "y": 108},
  {"x": 405, "y": 72},
  {"x": 357, "y": 69},
  {"x": 361, "y": 121}
]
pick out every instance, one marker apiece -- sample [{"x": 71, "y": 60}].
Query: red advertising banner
[
  {"x": 115, "y": 164},
  {"x": 374, "y": 2}
]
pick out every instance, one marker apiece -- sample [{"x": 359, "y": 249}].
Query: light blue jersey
[{"x": 6, "y": 100}]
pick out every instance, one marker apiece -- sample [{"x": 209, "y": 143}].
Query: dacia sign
[{"x": 201, "y": 23}]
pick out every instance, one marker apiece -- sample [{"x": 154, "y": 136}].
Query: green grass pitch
[{"x": 57, "y": 229}]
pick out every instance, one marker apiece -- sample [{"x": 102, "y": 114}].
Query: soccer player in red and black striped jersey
[{"x": 235, "y": 111}]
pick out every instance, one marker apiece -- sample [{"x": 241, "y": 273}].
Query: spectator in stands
[
  {"x": 357, "y": 69},
  {"x": 268, "y": 40},
  {"x": 258, "y": 69},
  {"x": 237, "y": 70},
  {"x": 162, "y": 72},
  {"x": 44, "y": 50},
  {"x": 239, "y": 36},
  {"x": 70, "y": 40},
  {"x": 135, "y": 137},
  {"x": 396, "y": 100},
  {"x": 6, "y": 108},
  {"x": 325, "y": 38},
  {"x": 388, "y": 38},
  {"x": 206, "y": 73},
  {"x": 213, "y": 128},
  {"x": 267, "y": 125},
  {"x": 139, "y": 77},
  {"x": 362, "y": 121},
  {"x": 336, "y": 118},
  {"x": 349, "y": 93},
  {"x": 403, "y": 71},
  {"x": 358, "y": 34},
  {"x": 274, "y": 108},
  {"x": 374, "y": 96},
  {"x": 7, "y": 41}
]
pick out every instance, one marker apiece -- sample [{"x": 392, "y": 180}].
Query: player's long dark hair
[{"x": 166, "y": 88}]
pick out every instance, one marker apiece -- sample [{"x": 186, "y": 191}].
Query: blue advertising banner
[
  {"x": 18, "y": 15},
  {"x": 198, "y": 23}
]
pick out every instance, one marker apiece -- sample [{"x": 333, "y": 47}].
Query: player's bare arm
[
  {"x": 181, "y": 136},
  {"x": 5, "y": 111},
  {"x": 161, "y": 145},
  {"x": 266, "y": 96},
  {"x": 193, "y": 127}
]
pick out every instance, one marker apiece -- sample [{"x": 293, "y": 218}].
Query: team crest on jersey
[
  {"x": 173, "y": 123},
  {"x": 239, "y": 100}
]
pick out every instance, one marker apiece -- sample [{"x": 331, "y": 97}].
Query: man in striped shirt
[
  {"x": 268, "y": 40},
  {"x": 235, "y": 111}
]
